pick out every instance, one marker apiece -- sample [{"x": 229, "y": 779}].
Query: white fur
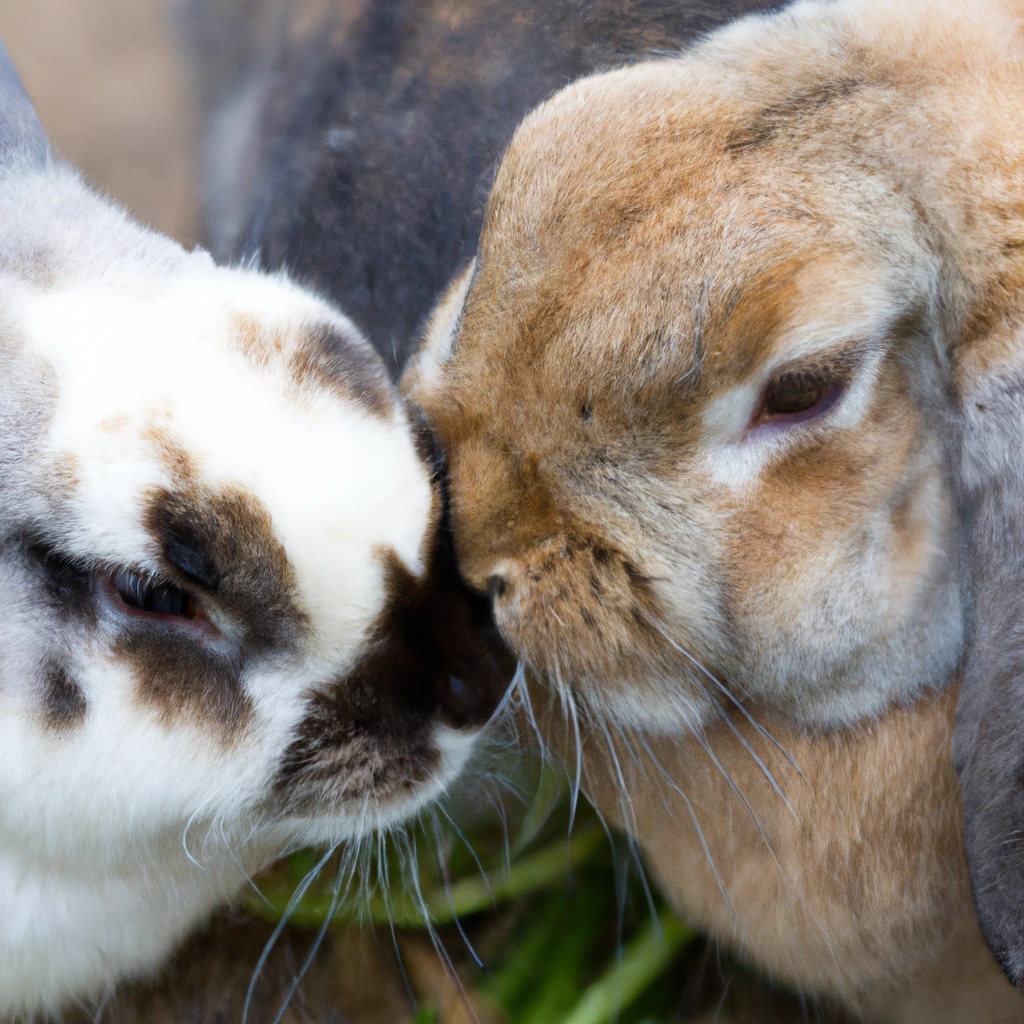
[{"x": 120, "y": 834}]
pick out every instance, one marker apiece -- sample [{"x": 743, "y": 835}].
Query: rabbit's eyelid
[
  {"x": 738, "y": 449},
  {"x": 835, "y": 376},
  {"x": 112, "y": 584}
]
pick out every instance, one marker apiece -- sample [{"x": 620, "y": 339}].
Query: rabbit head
[
  {"x": 702, "y": 390},
  {"x": 233, "y": 621},
  {"x": 692, "y": 402}
]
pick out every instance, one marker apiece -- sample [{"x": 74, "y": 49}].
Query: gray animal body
[
  {"x": 353, "y": 143},
  {"x": 988, "y": 744}
]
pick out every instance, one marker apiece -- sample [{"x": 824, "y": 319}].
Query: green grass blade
[
  {"x": 646, "y": 955},
  {"x": 468, "y": 896}
]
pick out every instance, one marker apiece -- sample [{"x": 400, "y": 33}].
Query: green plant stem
[
  {"x": 440, "y": 906},
  {"x": 646, "y": 955},
  {"x": 515, "y": 981}
]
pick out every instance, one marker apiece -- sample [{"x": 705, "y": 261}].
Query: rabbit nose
[
  {"x": 474, "y": 665},
  {"x": 458, "y": 641},
  {"x": 496, "y": 586}
]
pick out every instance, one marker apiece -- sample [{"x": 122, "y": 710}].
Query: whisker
[
  {"x": 625, "y": 800},
  {"x": 296, "y": 898},
  {"x": 711, "y": 677},
  {"x": 757, "y": 760},
  {"x": 184, "y": 834},
  {"x": 647, "y": 775},
  {"x": 465, "y": 842},
  {"x": 317, "y": 943},
  {"x": 696, "y": 824},
  {"x": 446, "y": 879},
  {"x": 439, "y": 946},
  {"x": 572, "y": 715},
  {"x": 706, "y": 747}
]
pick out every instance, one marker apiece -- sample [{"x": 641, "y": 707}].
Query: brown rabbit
[{"x": 700, "y": 395}]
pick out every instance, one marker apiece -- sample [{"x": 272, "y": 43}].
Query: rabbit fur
[
  {"x": 705, "y": 398},
  {"x": 987, "y": 744},
  {"x": 354, "y": 143},
  {"x": 233, "y": 624}
]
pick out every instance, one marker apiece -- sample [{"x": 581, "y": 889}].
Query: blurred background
[{"x": 115, "y": 102}]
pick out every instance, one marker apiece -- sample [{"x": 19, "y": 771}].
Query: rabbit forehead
[{"x": 249, "y": 392}]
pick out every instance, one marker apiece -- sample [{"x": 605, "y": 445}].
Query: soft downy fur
[
  {"x": 354, "y": 142},
  {"x": 701, "y": 395},
  {"x": 232, "y": 619},
  {"x": 988, "y": 745}
]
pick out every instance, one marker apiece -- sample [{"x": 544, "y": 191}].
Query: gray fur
[
  {"x": 22, "y": 138},
  {"x": 988, "y": 743}
]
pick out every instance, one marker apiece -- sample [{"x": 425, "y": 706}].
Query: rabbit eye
[
  {"x": 153, "y": 597},
  {"x": 796, "y": 396}
]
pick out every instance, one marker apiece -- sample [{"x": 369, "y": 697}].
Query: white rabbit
[
  {"x": 701, "y": 396},
  {"x": 231, "y": 620}
]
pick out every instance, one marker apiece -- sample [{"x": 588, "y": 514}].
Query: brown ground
[{"x": 112, "y": 96}]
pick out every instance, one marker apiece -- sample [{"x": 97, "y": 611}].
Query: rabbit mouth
[
  {"x": 584, "y": 616},
  {"x": 394, "y": 731}
]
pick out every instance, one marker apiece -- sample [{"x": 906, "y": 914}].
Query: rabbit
[
  {"x": 354, "y": 143},
  {"x": 233, "y": 623},
  {"x": 728, "y": 403}
]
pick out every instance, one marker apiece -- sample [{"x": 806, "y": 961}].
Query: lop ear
[
  {"x": 22, "y": 139},
  {"x": 988, "y": 741}
]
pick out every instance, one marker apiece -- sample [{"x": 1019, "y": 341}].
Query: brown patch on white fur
[
  {"x": 64, "y": 704},
  {"x": 370, "y": 735},
  {"x": 322, "y": 357},
  {"x": 220, "y": 547}
]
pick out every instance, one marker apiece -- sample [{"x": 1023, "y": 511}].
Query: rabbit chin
[
  {"x": 231, "y": 621},
  {"x": 93, "y": 898}
]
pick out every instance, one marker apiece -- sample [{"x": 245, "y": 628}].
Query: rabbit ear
[
  {"x": 22, "y": 138},
  {"x": 988, "y": 741}
]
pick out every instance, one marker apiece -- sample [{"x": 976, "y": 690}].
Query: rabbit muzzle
[{"x": 434, "y": 669}]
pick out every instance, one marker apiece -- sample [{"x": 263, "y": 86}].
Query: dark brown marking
[
  {"x": 64, "y": 704},
  {"x": 66, "y": 583},
  {"x": 321, "y": 357},
  {"x": 769, "y": 122},
  {"x": 434, "y": 655},
  {"x": 224, "y": 542},
  {"x": 343, "y": 363},
  {"x": 228, "y": 539}
]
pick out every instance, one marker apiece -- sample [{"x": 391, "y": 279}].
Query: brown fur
[
  {"x": 323, "y": 357},
  {"x": 430, "y": 637},
  {"x": 837, "y": 186},
  {"x": 866, "y": 860},
  {"x": 64, "y": 704},
  {"x": 226, "y": 543}
]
